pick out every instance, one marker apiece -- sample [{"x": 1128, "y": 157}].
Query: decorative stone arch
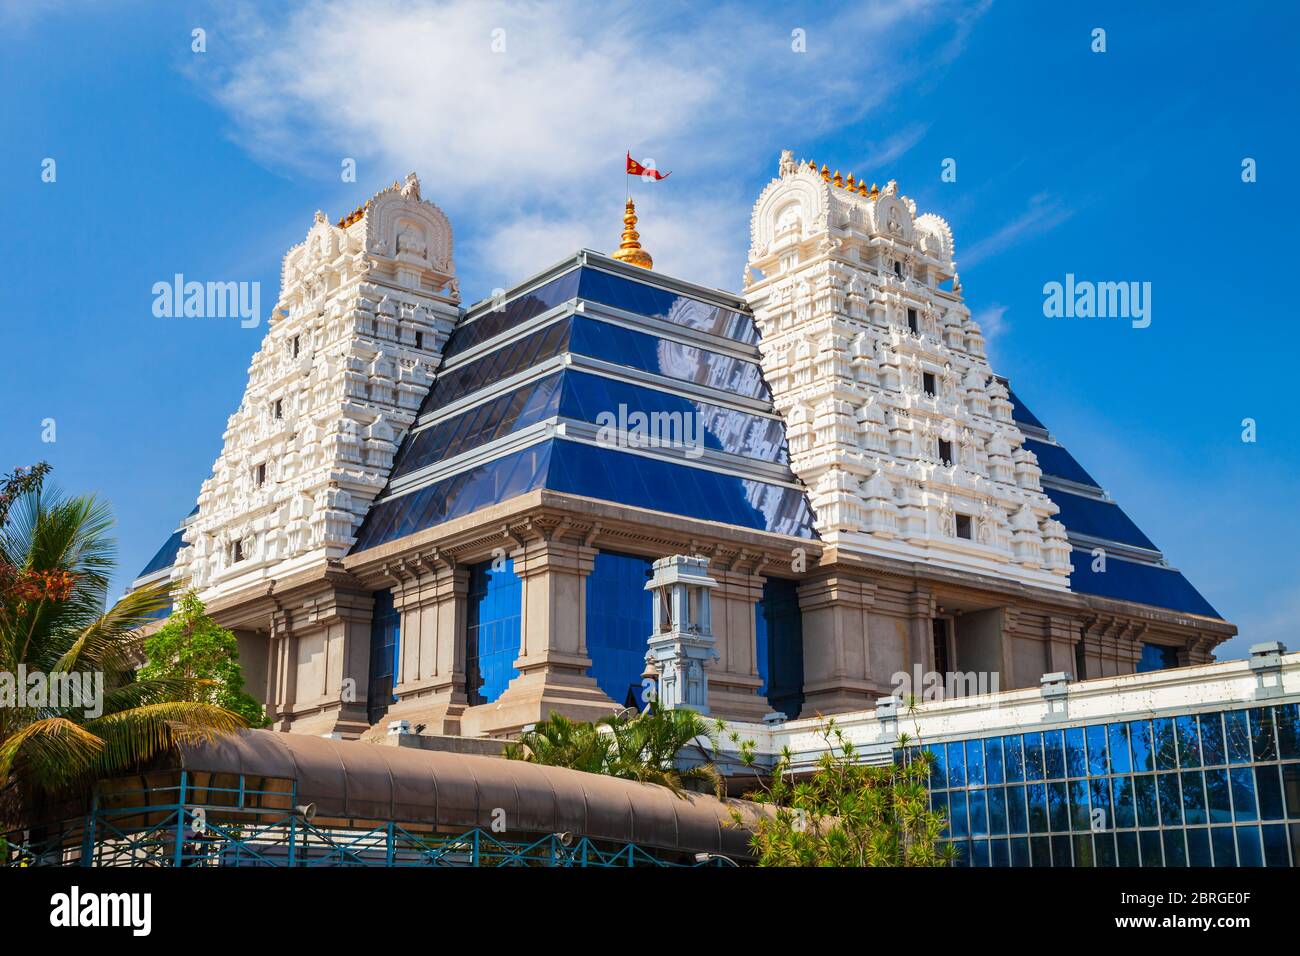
[
  {"x": 803, "y": 191},
  {"x": 416, "y": 223}
]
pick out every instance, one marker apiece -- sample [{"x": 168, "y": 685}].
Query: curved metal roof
[{"x": 352, "y": 779}]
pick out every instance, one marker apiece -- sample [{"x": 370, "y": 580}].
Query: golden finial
[
  {"x": 862, "y": 188},
  {"x": 629, "y": 250},
  {"x": 874, "y": 191},
  {"x": 838, "y": 180},
  {"x": 851, "y": 182},
  {"x": 826, "y": 173},
  {"x": 812, "y": 164}
]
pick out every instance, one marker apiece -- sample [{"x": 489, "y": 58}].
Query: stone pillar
[
  {"x": 280, "y": 672},
  {"x": 553, "y": 661},
  {"x": 430, "y": 683},
  {"x": 734, "y": 679},
  {"x": 330, "y": 665},
  {"x": 837, "y": 666}
]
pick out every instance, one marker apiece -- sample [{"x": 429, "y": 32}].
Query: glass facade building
[
  {"x": 1220, "y": 788},
  {"x": 492, "y": 629},
  {"x": 618, "y": 625}
]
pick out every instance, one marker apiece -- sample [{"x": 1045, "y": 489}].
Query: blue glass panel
[
  {"x": 1120, "y": 760},
  {"x": 1098, "y": 763},
  {"x": 979, "y": 853},
  {"x": 1020, "y": 851},
  {"x": 1237, "y": 732},
  {"x": 1218, "y": 796},
  {"x": 1041, "y": 851},
  {"x": 1082, "y": 851},
  {"x": 643, "y": 299},
  {"x": 1291, "y": 788},
  {"x": 979, "y": 822},
  {"x": 1148, "y": 804},
  {"x": 492, "y": 630},
  {"x": 166, "y": 555},
  {"x": 1141, "y": 583},
  {"x": 1056, "y": 461},
  {"x": 1288, "y": 730},
  {"x": 997, "y": 811},
  {"x": 1189, "y": 742},
  {"x": 1212, "y": 750},
  {"x": 779, "y": 644},
  {"x": 1140, "y": 738},
  {"x": 958, "y": 820},
  {"x": 1099, "y": 790},
  {"x": 1198, "y": 847},
  {"x": 1037, "y": 795},
  {"x": 956, "y": 765},
  {"x": 1076, "y": 755},
  {"x": 1053, "y": 755},
  {"x": 1249, "y": 852},
  {"x": 1261, "y": 733},
  {"x": 1275, "y": 846},
  {"x": 1097, "y": 519},
  {"x": 1104, "y": 848},
  {"x": 1033, "y": 756},
  {"x": 656, "y": 485},
  {"x": 385, "y": 647},
  {"x": 1171, "y": 801},
  {"x": 1166, "y": 746},
  {"x": 1058, "y": 805},
  {"x": 975, "y": 763},
  {"x": 1061, "y": 855},
  {"x": 1243, "y": 794},
  {"x": 939, "y": 768},
  {"x": 485, "y": 370},
  {"x": 1157, "y": 657},
  {"x": 1017, "y": 820},
  {"x": 1175, "y": 848},
  {"x": 1224, "y": 845},
  {"x": 1015, "y": 764},
  {"x": 993, "y": 760},
  {"x": 1152, "y": 848},
  {"x": 483, "y": 324},
  {"x": 939, "y": 804},
  {"x": 1079, "y": 809},
  {"x": 1268, "y": 789},
  {"x": 1125, "y": 811},
  {"x": 618, "y": 625},
  {"x": 1127, "y": 848},
  {"x": 1193, "y": 798},
  {"x": 1000, "y": 852},
  {"x": 687, "y": 363}
]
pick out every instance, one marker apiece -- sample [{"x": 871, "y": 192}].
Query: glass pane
[
  {"x": 1269, "y": 791},
  {"x": 975, "y": 763},
  {"x": 956, "y": 765},
  {"x": 1033, "y": 756},
  {"x": 1243, "y": 794},
  {"x": 979, "y": 823},
  {"x": 993, "y": 760},
  {"x": 1079, "y": 808},
  {"x": 1017, "y": 819},
  {"x": 1053, "y": 755},
  {"x": 1275, "y": 846},
  {"x": 997, "y": 811},
  {"x": 1166, "y": 748},
  {"x": 1212, "y": 740},
  {"x": 1140, "y": 738},
  {"x": 1175, "y": 848},
  {"x": 1015, "y": 764},
  {"x": 1261, "y": 732},
  {"x": 1171, "y": 803},
  {"x": 1218, "y": 796},
  {"x": 1189, "y": 742},
  {"x": 1249, "y": 852},
  {"x": 1037, "y": 794},
  {"x": 1127, "y": 847},
  {"x": 1120, "y": 760},
  {"x": 1122, "y": 792},
  {"x": 1152, "y": 848},
  {"x": 1147, "y": 802},
  {"x": 1076, "y": 755},
  {"x": 1224, "y": 845},
  {"x": 1058, "y": 806},
  {"x": 1198, "y": 847},
  {"x": 1098, "y": 762},
  {"x": 1237, "y": 731},
  {"x": 1288, "y": 730},
  {"x": 1193, "y": 798}
]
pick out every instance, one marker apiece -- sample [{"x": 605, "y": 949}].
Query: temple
[{"x": 422, "y": 511}]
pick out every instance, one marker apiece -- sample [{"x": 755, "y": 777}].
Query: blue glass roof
[
  {"x": 166, "y": 555},
  {"x": 1142, "y": 583}
]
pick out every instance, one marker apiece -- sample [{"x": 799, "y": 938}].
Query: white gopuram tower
[
  {"x": 365, "y": 307},
  {"x": 682, "y": 646},
  {"x": 894, "y": 418}
]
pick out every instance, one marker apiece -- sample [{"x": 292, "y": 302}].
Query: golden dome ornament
[{"x": 629, "y": 250}]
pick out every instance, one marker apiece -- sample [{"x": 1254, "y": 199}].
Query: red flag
[{"x": 636, "y": 169}]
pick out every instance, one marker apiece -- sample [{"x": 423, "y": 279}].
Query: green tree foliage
[
  {"x": 846, "y": 813},
  {"x": 192, "y": 647},
  {"x": 635, "y": 746},
  {"x": 56, "y": 555}
]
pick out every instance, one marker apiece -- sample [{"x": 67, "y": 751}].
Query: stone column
[
  {"x": 553, "y": 661},
  {"x": 331, "y": 665},
  {"x": 837, "y": 671},
  {"x": 430, "y": 683},
  {"x": 734, "y": 679}
]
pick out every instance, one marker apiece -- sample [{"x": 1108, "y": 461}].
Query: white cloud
[
  {"x": 1043, "y": 214},
  {"x": 882, "y": 154},
  {"x": 524, "y": 148}
]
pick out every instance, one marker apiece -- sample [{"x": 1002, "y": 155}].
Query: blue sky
[{"x": 1123, "y": 165}]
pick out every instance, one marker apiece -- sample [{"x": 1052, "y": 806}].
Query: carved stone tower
[
  {"x": 896, "y": 422},
  {"x": 682, "y": 646},
  {"x": 365, "y": 307}
]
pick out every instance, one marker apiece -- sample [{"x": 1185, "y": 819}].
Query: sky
[{"x": 1117, "y": 165}]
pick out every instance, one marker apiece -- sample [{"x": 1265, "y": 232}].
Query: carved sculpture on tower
[
  {"x": 365, "y": 307},
  {"x": 896, "y": 422}
]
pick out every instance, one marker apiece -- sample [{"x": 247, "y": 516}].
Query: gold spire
[{"x": 629, "y": 250}]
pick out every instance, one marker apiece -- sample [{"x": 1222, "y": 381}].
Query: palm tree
[
  {"x": 635, "y": 746},
  {"x": 56, "y": 555}
]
